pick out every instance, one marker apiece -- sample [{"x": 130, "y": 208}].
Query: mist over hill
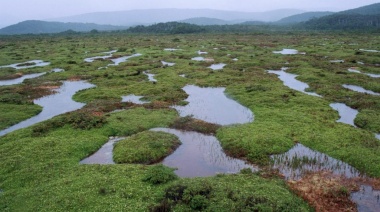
[
  {"x": 137, "y": 17},
  {"x": 40, "y": 27}
]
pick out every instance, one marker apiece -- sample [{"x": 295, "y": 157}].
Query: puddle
[
  {"x": 290, "y": 81},
  {"x": 213, "y": 106},
  {"x": 20, "y": 79},
  {"x": 286, "y": 51},
  {"x": 182, "y": 75},
  {"x": 28, "y": 64},
  {"x": 103, "y": 155},
  {"x": 336, "y": 61},
  {"x": 353, "y": 70},
  {"x": 119, "y": 60},
  {"x": 167, "y": 63},
  {"x": 347, "y": 114},
  {"x": 216, "y": 67},
  {"x": 300, "y": 159},
  {"x": 198, "y": 58},
  {"x": 366, "y": 199},
  {"x": 92, "y": 59},
  {"x": 55, "y": 104},
  {"x": 368, "y": 50},
  {"x": 116, "y": 61},
  {"x": 56, "y": 70},
  {"x": 235, "y": 59},
  {"x": 360, "y": 89},
  {"x": 200, "y": 155},
  {"x": 171, "y": 50},
  {"x": 200, "y": 52},
  {"x": 377, "y": 136},
  {"x": 150, "y": 76},
  {"x": 374, "y": 75},
  {"x": 134, "y": 99}
]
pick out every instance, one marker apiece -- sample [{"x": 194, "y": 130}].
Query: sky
[{"x": 14, "y": 11}]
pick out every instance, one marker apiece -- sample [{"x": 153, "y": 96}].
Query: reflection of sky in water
[
  {"x": 290, "y": 81},
  {"x": 37, "y": 63},
  {"x": 200, "y": 155},
  {"x": 211, "y": 105},
  {"x": 20, "y": 79},
  {"x": 103, "y": 155},
  {"x": 54, "y": 104},
  {"x": 360, "y": 89},
  {"x": 347, "y": 114},
  {"x": 299, "y": 160}
]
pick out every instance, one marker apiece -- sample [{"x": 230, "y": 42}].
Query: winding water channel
[{"x": 53, "y": 105}]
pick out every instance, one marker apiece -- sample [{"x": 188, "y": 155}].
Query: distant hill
[
  {"x": 203, "y": 21},
  {"x": 302, "y": 17},
  {"x": 39, "y": 27},
  {"x": 367, "y": 17},
  {"x": 373, "y": 9},
  {"x": 152, "y": 16}
]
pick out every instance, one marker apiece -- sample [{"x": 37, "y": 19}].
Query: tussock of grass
[{"x": 146, "y": 147}]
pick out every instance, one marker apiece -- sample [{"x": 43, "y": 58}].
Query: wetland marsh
[{"x": 248, "y": 112}]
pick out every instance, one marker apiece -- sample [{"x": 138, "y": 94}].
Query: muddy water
[
  {"x": 54, "y": 105},
  {"x": 300, "y": 159},
  {"x": 103, "y": 155},
  {"x": 290, "y": 81},
  {"x": 347, "y": 114},
  {"x": 213, "y": 106},
  {"x": 360, "y": 89},
  {"x": 134, "y": 99},
  {"x": 367, "y": 199},
  {"x": 20, "y": 79},
  {"x": 216, "y": 67},
  {"x": 200, "y": 155},
  {"x": 286, "y": 51},
  {"x": 37, "y": 63}
]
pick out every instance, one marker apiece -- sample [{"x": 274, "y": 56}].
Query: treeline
[
  {"x": 344, "y": 22},
  {"x": 168, "y": 28}
]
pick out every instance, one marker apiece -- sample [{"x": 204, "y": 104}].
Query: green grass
[
  {"x": 146, "y": 147},
  {"x": 41, "y": 172}
]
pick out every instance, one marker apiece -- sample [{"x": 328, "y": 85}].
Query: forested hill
[
  {"x": 302, "y": 17},
  {"x": 39, "y": 27},
  {"x": 367, "y": 17},
  {"x": 168, "y": 28}
]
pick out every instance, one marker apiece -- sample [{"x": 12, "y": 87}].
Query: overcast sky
[{"x": 14, "y": 11}]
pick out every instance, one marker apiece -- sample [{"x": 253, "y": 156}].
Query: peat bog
[{"x": 247, "y": 127}]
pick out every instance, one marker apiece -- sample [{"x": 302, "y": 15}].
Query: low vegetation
[
  {"x": 39, "y": 165},
  {"x": 146, "y": 148}
]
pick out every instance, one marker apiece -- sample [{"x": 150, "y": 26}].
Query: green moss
[{"x": 145, "y": 147}]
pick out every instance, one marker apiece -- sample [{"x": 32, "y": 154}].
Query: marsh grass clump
[
  {"x": 146, "y": 147},
  {"x": 159, "y": 174},
  {"x": 190, "y": 124},
  {"x": 225, "y": 193}
]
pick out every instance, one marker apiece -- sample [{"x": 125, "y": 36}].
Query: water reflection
[
  {"x": 28, "y": 64},
  {"x": 367, "y": 199},
  {"x": 290, "y": 81},
  {"x": 217, "y": 66},
  {"x": 150, "y": 76},
  {"x": 20, "y": 79},
  {"x": 167, "y": 63},
  {"x": 300, "y": 160},
  {"x": 200, "y": 155},
  {"x": 103, "y": 155},
  {"x": 212, "y": 105},
  {"x": 134, "y": 99},
  {"x": 54, "y": 105},
  {"x": 347, "y": 114},
  {"x": 286, "y": 51},
  {"x": 360, "y": 89}
]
